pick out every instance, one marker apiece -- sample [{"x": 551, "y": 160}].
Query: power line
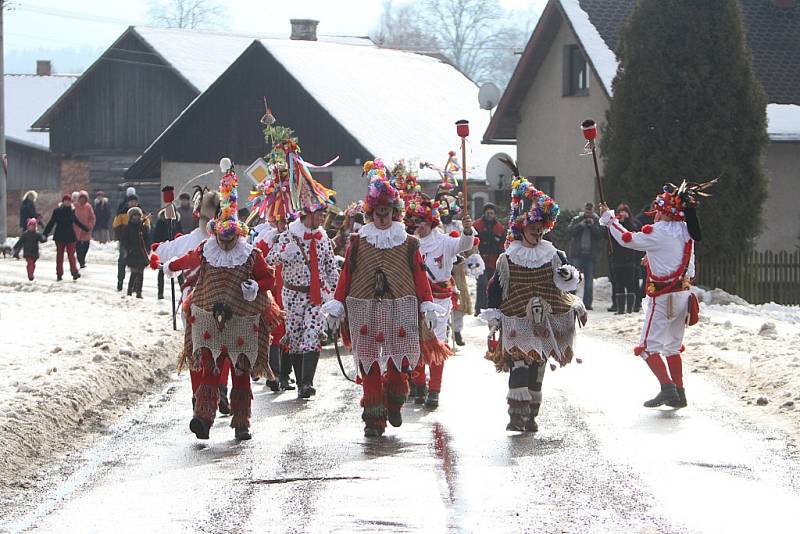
[{"x": 41, "y": 10}]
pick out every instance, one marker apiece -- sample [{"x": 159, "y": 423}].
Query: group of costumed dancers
[{"x": 392, "y": 283}]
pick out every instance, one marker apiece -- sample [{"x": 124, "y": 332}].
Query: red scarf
[{"x": 314, "y": 291}]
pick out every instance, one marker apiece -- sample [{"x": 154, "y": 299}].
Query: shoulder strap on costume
[
  {"x": 562, "y": 257},
  {"x": 354, "y": 239},
  {"x": 413, "y": 247}
]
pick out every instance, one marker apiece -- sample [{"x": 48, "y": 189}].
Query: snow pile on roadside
[
  {"x": 73, "y": 355},
  {"x": 105, "y": 253}
]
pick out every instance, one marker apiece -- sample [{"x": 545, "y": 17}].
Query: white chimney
[
  {"x": 304, "y": 29},
  {"x": 44, "y": 67}
]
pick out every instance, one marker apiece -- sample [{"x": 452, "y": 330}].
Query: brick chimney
[
  {"x": 44, "y": 67},
  {"x": 304, "y": 29}
]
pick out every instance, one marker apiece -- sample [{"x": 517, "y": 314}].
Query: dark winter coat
[
  {"x": 63, "y": 219},
  {"x": 492, "y": 235},
  {"x": 135, "y": 241},
  {"x": 623, "y": 256},
  {"x": 102, "y": 213},
  {"x": 576, "y": 230},
  {"x": 28, "y": 243},
  {"x": 27, "y": 210},
  {"x": 165, "y": 229},
  {"x": 188, "y": 220}
]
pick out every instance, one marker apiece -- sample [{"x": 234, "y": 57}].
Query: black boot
[
  {"x": 516, "y": 423},
  {"x": 199, "y": 427},
  {"x": 668, "y": 394},
  {"x": 373, "y": 431},
  {"x": 412, "y": 391},
  {"x": 630, "y": 302},
  {"x": 224, "y": 405},
  {"x": 242, "y": 433},
  {"x": 619, "y": 301},
  {"x": 531, "y": 426},
  {"x": 297, "y": 365},
  {"x": 681, "y": 402},
  {"x": 432, "y": 401},
  {"x": 119, "y": 284},
  {"x": 285, "y": 368},
  {"x": 459, "y": 339},
  {"x": 395, "y": 418},
  {"x": 422, "y": 394},
  {"x": 310, "y": 360}
]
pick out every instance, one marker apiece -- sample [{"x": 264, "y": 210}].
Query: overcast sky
[{"x": 56, "y": 24}]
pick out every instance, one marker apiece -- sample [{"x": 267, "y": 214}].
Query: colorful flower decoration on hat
[
  {"x": 227, "y": 223},
  {"x": 529, "y": 205},
  {"x": 422, "y": 209},
  {"x": 405, "y": 180},
  {"x": 381, "y": 192}
]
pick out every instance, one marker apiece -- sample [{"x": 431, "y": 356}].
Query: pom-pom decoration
[
  {"x": 380, "y": 191},
  {"x": 530, "y": 205},
  {"x": 227, "y": 223},
  {"x": 423, "y": 209}
]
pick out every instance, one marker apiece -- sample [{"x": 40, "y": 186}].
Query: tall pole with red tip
[
  {"x": 589, "y": 128},
  {"x": 462, "y": 129}
]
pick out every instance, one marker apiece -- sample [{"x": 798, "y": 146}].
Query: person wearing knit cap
[
  {"x": 384, "y": 306},
  {"x": 119, "y": 222},
  {"x": 229, "y": 315},
  {"x": 28, "y": 244},
  {"x": 134, "y": 240},
  {"x": 63, "y": 223},
  {"x": 669, "y": 247},
  {"x": 439, "y": 253},
  {"x": 530, "y": 304}
]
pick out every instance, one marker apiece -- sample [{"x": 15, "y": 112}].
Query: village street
[{"x": 600, "y": 463}]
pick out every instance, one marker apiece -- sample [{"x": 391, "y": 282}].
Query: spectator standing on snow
[
  {"x": 120, "y": 220},
  {"x": 63, "y": 221},
  {"x": 492, "y": 235},
  {"x": 586, "y": 240},
  {"x": 27, "y": 210},
  {"x": 102, "y": 214},
  {"x": 85, "y": 214},
  {"x": 624, "y": 265},
  {"x": 186, "y": 214},
  {"x": 28, "y": 243},
  {"x": 134, "y": 239}
]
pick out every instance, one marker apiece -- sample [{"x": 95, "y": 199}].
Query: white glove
[
  {"x": 249, "y": 290},
  {"x": 565, "y": 274},
  {"x": 430, "y": 318},
  {"x": 333, "y": 322},
  {"x": 494, "y": 325}
]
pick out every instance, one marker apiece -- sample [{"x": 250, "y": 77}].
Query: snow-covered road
[{"x": 600, "y": 463}]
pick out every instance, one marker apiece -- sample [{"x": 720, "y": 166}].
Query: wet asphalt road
[{"x": 600, "y": 462}]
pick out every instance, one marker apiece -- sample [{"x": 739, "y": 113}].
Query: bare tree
[
  {"x": 194, "y": 14},
  {"x": 477, "y": 36}
]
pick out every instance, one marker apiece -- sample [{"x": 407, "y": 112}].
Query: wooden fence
[{"x": 757, "y": 277}]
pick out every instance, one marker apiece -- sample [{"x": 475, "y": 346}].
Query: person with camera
[
  {"x": 624, "y": 265},
  {"x": 586, "y": 241}
]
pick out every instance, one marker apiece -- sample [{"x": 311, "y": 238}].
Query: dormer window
[{"x": 576, "y": 72}]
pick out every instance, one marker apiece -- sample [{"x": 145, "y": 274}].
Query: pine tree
[{"x": 687, "y": 105}]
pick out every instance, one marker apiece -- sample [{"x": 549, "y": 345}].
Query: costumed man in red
[
  {"x": 668, "y": 245},
  {"x": 439, "y": 254},
  {"x": 530, "y": 303},
  {"x": 271, "y": 201},
  {"x": 230, "y": 313},
  {"x": 384, "y": 305}
]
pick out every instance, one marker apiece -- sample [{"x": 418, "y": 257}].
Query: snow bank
[
  {"x": 74, "y": 354},
  {"x": 105, "y": 253}
]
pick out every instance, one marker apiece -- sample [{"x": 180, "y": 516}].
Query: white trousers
[
  {"x": 664, "y": 323},
  {"x": 440, "y": 326}
]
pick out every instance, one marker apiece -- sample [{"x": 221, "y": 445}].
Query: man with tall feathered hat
[
  {"x": 229, "y": 314},
  {"x": 439, "y": 253},
  {"x": 384, "y": 305},
  {"x": 530, "y": 304},
  {"x": 668, "y": 245},
  {"x": 309, "y": 270}
]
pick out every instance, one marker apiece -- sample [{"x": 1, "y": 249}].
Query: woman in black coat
[
  {"x": 624, "y": 264},
  {"x": 27, "y": 210},
  {"x": 62, "y": 221},
  {"x": 134, "y": 239}
]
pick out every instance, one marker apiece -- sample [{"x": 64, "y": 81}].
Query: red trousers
[
  {"x": 382, "y": 393},
  {"x": 435, "y": 383},
  {"x": 206, "y": 382},
  {"x": 70, "y": 248},
  {"x": 31, "y": 267}
]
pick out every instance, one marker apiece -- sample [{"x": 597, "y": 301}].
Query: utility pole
[{"x": 4, "y": 162}]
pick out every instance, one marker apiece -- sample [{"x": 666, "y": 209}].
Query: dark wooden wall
[
  {"x": 225, "y": 120},
  {"x": 122, "y": 104},
  {"x": 31, "y": 168}
]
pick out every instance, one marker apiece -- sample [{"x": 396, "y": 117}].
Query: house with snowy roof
[
  {"x": 345, "y": 98},
  {"x": 564, "y": 76},
  {"x": 31, "y": 164}
]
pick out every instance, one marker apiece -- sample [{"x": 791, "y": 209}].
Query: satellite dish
[
  {"x": 498, "y": 175},
  {"x": 488, "y": 96}
]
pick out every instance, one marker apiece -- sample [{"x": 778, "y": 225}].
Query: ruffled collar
[
  {"x": 217, "y": 257},
  {"x": 676, "y": 229},
  {"x": 428, "y": 243},
  {"x": 531, "y": 258},
  {"x": 264, "y": 232},
  {"x": 392, "y": 237},
  {"x": 298, "y": 229}
]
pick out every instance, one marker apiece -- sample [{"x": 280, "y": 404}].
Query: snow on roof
[
  {"x": 27, "y": 96},
  {"x": 783, "y": 122},
  {"x": 199, "y": 56},
  {"x": 600, "y": 55},
  {"x": 397, "y": 104}
]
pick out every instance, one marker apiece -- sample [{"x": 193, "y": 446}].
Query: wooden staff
[
  {"x": 589, "y": 127},
  {"x": 462, "y": 129}
]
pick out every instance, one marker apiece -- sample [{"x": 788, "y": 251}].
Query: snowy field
[{"x": 75, "y": 354}]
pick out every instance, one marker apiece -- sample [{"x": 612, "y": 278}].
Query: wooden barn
[
  {"x": 344, "y": 97},
  {"x": 31, "y": 164},
  {"x": 126, "y": 98}
]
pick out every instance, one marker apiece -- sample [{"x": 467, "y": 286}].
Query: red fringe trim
[
  {"x": 272, "y": 315},
  {"x": 434, "y": 352},
  {"x": 241, "y": 400},
  {"x": 371, "y": 399},
  {"x": 206, "y": 399}
]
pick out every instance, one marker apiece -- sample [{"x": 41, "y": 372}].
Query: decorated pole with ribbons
[{"x": 462, "y": 129}]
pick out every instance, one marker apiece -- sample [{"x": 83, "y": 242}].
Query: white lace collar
[
  {"x": 429, "y": 242},
  {"x": 298, "y": 229},
  {"x": 531, "y": 258},
  {"x": 392, "y": 237},
  {"x": 676, "y": 229},
  {"x": 217, "y": 257}
]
